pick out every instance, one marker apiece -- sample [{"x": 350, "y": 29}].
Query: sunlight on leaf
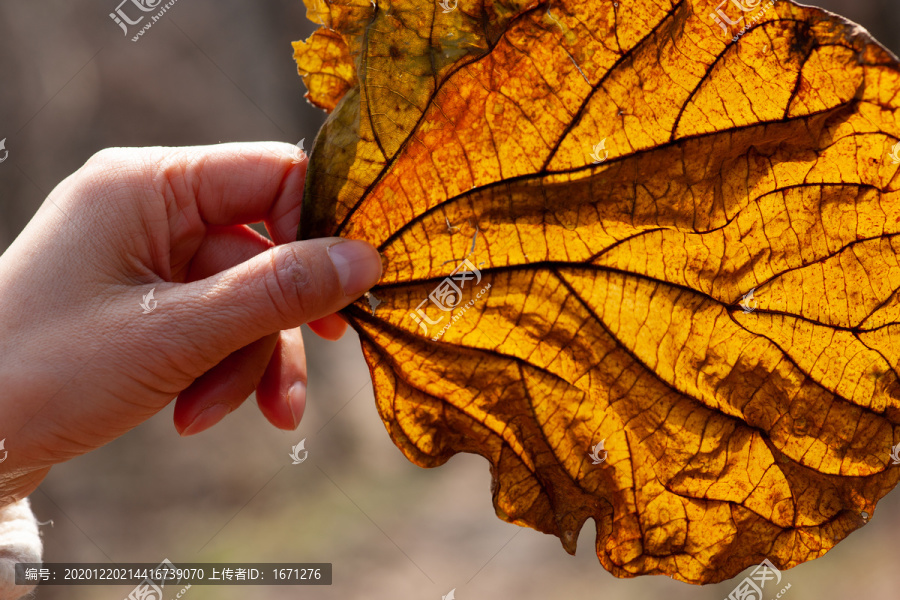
[{"x": 642, "y": 260}]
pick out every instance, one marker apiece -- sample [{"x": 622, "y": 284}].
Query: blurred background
[{"x": 217, "y": 71}]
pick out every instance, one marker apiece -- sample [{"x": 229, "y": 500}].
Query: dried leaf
[{"x": 682, "y": 242}]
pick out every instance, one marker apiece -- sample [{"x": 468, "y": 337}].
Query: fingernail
[
  {"x": 206, "y": 419},
  {"x": 358, "y": 265},
  {"x": 297, "y": 401}
]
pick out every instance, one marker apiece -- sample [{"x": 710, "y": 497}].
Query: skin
[{"x": 80, "y": 362}]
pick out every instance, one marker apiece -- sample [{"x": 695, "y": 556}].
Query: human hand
[{"x": 80, "y": 362}]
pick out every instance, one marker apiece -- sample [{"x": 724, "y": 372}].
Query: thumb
[{"x": 281, "y": 288}]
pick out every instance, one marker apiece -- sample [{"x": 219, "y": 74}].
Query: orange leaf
[
  {"x": 672, "y": 228},
  {"x": 326, "y": 68}
]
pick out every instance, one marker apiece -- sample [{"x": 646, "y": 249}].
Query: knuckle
[
  {"x": 99, "y": 178},
  {"x": 111, "y": 168},
  {"x": 290, "y": 269},
  {"x": 107, "y": 159},
  {"x": 127, "y": 160},
  {"x": 188, "y": 359}
]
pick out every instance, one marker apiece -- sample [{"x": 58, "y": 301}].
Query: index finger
[{"x": 238, "y": 183}]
